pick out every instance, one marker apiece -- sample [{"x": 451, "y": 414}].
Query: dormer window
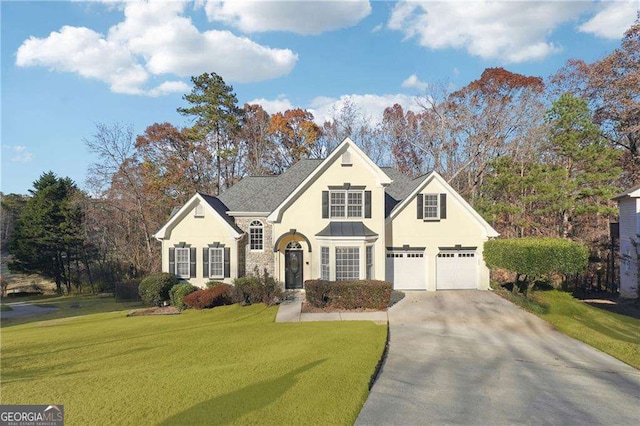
[{"x": 199, "y": 210}]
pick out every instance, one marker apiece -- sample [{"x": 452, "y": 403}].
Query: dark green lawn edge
[
  {"x": 540, "y": 309},
  {"x": 381, "y": 361}
]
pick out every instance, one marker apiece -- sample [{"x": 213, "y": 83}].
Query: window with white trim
[
  {"x": 347, "y": 263},
  {"x": 216, "y": 262},
  {"x": 369, "y": 262},
  {"x": 345, "y": 204},
  {"x": 431, "y": 206},
  {"x": 324, "y": 264},
  {"x": 256, "y": 236},
  {"x": 199, "y": 210},
  {"x": 183, "y": 262}
]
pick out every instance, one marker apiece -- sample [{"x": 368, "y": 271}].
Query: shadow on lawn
[{"x": 230, "y": 407}]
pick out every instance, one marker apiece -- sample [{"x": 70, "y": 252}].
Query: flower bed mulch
[
  {"x": 164, "y": 310},
  {"x": 308, "y": 308}
]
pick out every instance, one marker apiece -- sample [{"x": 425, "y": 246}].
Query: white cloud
[
  {"x": 19, "y": 153},
  {"x": 280, "y": 104},
  {"x": 169, "y": 87},
  {"x": 323, "y": 107},
  {"x": 301, "y": 17},
  {"x": 413, "y": 82},
  {"x": 378, "y": 28},
  {"x": 511, "y": 31},
  {"x": 154, "y": 39},
  {"x": 372, "y": 106},
  {"x": 613, "y": 20}
]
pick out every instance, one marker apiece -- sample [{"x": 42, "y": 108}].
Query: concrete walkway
[
  {"x": 472, "y": 358},
  {"x": 22, "y": 309},
  {"x": 290, "y": 311}
]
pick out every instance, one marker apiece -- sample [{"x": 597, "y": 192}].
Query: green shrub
[
  {"x": 210, "y": 297},
  {"x": 214, "y": 283},
  {"x": 178, "y": 292},
  {"x": 257, "y": 289},
  {"x": 154, "y": 289},
  {"x": 249, "y": 290},
  {"x": 534, "y": 258},
  {"x": 360, "y": 294}
]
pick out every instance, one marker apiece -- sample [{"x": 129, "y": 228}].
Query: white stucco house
[
  {"x": 629, "y": 212},
  {"x": 340, "y": 218}
]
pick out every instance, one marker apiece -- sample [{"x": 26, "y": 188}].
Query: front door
[{"x": 293, "y": 269}]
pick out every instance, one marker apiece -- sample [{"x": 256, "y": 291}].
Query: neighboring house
[
  {"x": 340, "y": 218},
  {"x": 629, "y": 207}
]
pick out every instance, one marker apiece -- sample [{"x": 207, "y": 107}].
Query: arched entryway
[{"x": 293, "y": 266}]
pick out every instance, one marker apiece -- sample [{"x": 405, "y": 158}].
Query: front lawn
[
  {"x": 615, "y": 334},
  {"x": 230, "y": 364}
]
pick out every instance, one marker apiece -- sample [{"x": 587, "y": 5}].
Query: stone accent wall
[{"x": 258, "y": 261}]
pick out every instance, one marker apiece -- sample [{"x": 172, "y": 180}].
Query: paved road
[
  {"x": 22, "y": 309},
  {"x": 470, "y": 357}
]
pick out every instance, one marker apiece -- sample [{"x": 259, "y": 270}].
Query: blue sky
[{"x": 69, "y": 65}]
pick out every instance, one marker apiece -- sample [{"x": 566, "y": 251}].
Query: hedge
[
  {"x": 210, "y": 297},
  {"x": 154, "y": 289},
  {"x": 360, "y": 294},
  {"x": 537, "y": 256}
]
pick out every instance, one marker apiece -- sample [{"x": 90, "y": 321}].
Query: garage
[
  {"x": 407, "y": 270},
  {"x": 457, "y": 270}
]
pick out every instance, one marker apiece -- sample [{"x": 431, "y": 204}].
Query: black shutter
[
  {"x": 443, "y": 206},
  {"x": 367, "y": 204},
  {"x": 325, "y": 204},
  {"x": 172, "y": 260},
  {"x": 420, "y": 206},
  {"x": 227, "y": 262},
  {"x": 192, "y": 260},
  {"x": 205, "y": 262}
]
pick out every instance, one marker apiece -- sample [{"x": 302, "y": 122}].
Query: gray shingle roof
[
  {"x": 346, "y": 229},
  {"x": 219, "y": 207},
  {"x": 265, "y": 193},
  {"x": 399, "y": 189}
]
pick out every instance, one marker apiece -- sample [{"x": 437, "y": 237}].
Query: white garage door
[
  {"x": 407, "y": 270},
  {"x": 456, "y": 270}
]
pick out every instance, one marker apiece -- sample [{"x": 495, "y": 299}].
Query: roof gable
[
  {"x": 422, "y": 183},
  {"x": 382, "y": 178},
  {"x": 631, "y": 193},
  {"x": 214, "y": 206}
]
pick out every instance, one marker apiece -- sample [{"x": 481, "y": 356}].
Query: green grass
[
  {"x": 614, "y": 334},
  {"x": 70, "y": 306},
  {"x": 230, "y": 364},
  {"x": 5, "y": 308}
]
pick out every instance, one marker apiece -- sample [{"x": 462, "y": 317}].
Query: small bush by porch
[{"x": 359, "y": 294}]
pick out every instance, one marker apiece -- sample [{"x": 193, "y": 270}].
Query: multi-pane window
[
  {"x": 324, "y": 263},
  {"x": 216, "y": 262},
  {"x": 337, "y": 204},
  {"x": 183, "y": 262},
  {"x": 431, "y": 207},
  {"x": 256, "y": 236},
  {"x": 354, "y": 204},
  {"x": 347, "y": 263},
  {"x": 369, "y": 262},
  {"x": 346, "y": 204}
]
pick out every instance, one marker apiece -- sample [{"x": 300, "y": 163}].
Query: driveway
[{"x": 471, "y": 357}]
